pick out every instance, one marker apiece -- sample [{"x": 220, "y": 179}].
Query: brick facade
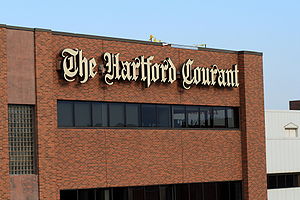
[{"x": 93, "y": 158}]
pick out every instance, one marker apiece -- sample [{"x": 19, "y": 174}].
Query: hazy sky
[{"x": 271, "y": 27}]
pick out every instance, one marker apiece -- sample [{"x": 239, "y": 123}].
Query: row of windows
[
  {"x": 192, "y": 191},
  {"x": 283, "y": 180},
  {"x": 102, "y": 114}
]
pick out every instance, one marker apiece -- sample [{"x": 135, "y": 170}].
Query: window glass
[
  {"x": 99, "y": 114},
  {"x": 297, "y": 180},
  {"x": 179, "y": 116},
  {"x": 272, "y": 182},
  {"x": 232, "y": 117},
  {"x": 120, "y": 193},
  {"x": 219, "y": 117},
  {"x": 192, "y": 116},
  {"x": 148, "y": 115},
  {"x": 166, "y": 192},
  {"x": 182, "y": 192},
  {"x": 103, "y": 194},
  {"x": 235, "y": 190},
  {"x": 205, "y": 117},
  {"x": 196, "y": 191},
  {"x": 136, "y": 193},
  {"x": 209, "y": 191},
  {"x": 289, "y": 180},
  {"x": 68, "y": 194},
  {"x": 82, "y": 114},
  {"x": 163, "y": 116},
  {"x": 65, "y": 113},
  {"x": 86, "y": 194},
  {"x": 281, "y": 181},
  {"x": 116, "y": 114},
  {"x": 152, "y": 193},
  {"x": 223, "y": 191},
  {"x": 132, "y": 115}
]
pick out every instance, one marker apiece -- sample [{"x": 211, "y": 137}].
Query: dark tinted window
[
  {"x": 86, "y": 194},
  {"x": 82, "y": 113},
  {"x": 65, "y": 113},
  {"x": 205, "y": 117},
  {"x": 196, "y": 191},
  {"x": 163, "y": 116},
  {"x": 152, "y": 193},
  {"x": 235, "y": 191},
  {"x": 223, "y": 191},
  {"x": 166, "y": 192},
  {"x": 209, "y": 191},
  {"x": 136, "y": 193},
  {"x": 103, "y": 194},
  {"x": 281, "y": 181},
  {"x": 68, "y": 194},
  {"x": 191, "y": 191},
  {"x": 116, "y": 114},
  {"x": 182, "y": 192},
  {"x": 149, "y": 115},
  {"x": 289, "y": 179},
  {"x": 99, "y": 114},
  {"x": 132, "y": 115},
  {"x": 120, "y": 193},
  {"x": 272, "y": 182},
  {"x": 102, "y": 114},
  {"x": 230, "y": 118},
  {"x": 219, "y": 117},
  {"x": 192, "y": 116},
  {"x": 179, "y": 116}
]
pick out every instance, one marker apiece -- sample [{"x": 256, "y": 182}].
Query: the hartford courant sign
[{"x": 74, "y": 64}]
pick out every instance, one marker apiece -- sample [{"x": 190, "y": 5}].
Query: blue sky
[{"x": 272, "y": 27}]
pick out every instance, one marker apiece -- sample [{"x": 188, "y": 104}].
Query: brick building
[{"x": 90, "y": 117}]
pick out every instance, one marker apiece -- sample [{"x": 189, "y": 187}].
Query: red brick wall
[
  {"x": 4, "y": 174},
  {"x": 90, "y": 158},
  {"x": 252, "y": 126}
]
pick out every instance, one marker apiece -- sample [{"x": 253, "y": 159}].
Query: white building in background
[{"x": 283, "y": 154}]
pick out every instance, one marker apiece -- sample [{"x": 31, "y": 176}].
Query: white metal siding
[
  {"x": 283, "y": 151},
  {"x": 284, "y": 194}
]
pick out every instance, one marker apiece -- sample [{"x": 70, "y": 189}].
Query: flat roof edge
[
  {"x": 123, "y": 39},
  {"x": 106, "y": 38}
]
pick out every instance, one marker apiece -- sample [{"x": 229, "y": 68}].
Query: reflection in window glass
[
  {"x": 65, "y": 113},
  {"x": 132, "y": 115},
  {"x": 205, "y": 117},
  {"x": 99, "y": 114},
  {"x": 148, "y": 115},
  {"x": 83, "y": 116},
  {"x": 116, "y": 114},
  {"x": 179, "y": 116},
  {"x": 163, "y": 116},
  {"x": 192, "y": 116},
  {"x": 219, "y": 117}
]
